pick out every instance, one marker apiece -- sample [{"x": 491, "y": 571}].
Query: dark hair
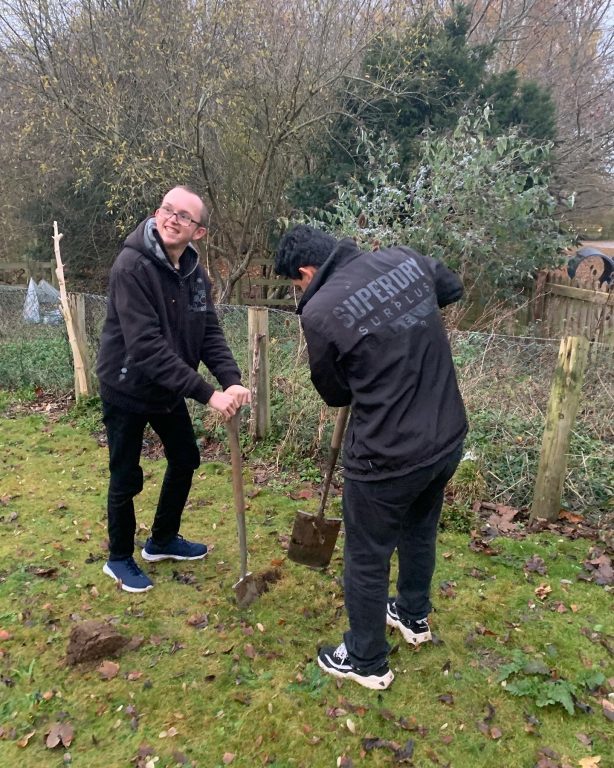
[{"x": 302, "y": 246}]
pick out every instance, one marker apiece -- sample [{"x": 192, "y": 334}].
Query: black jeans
[
  {"x": 401, "y": 513},
  {"x": 125, "y": 437}
]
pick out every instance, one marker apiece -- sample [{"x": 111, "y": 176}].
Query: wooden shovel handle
[
  {"x": 232, "y": 427},
  {"x": 335, "y": 447}
]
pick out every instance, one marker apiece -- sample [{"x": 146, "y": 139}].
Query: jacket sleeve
[
  {"x": 215, "y": 352},
  {"x": 146, "y": 346},
  {"x": 327, "y": 375},
  {"x": 448, "y": 285}
]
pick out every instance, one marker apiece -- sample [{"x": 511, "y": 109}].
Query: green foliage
[
  {"x": 529, "y": 680},
  {"x": 44, "y": 361},
  {"x": 523, "y": 104},
  {"x": 430, "y": 74},
  {"x": 480, "y": 204},
  {"x": 457, "y": 517},
  {"x": 86, "y": 414}
]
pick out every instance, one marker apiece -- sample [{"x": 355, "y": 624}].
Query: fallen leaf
[
  {"x": 45, "y": 573},
  {"x": 198, "y": 620},
  {"x": 134, "y": 676},
  {"x": 23, "y": 742},
  {"x": 482, "y": 546},
  {"x": 5, "y": 634},
  {"x": 502, "y": 518},
  {"x": 59, "y": 733},
  {"x": 590, "y": 762},
  {"x": 608, "y": 709},
  {"x": 108, "y": 670},
  {"x": 535, "y": 564},
  {"x": 482, "y": 630},
  {"x": 447, "y": 588},
  {"x": 228, "y": 758},
  {"x": 250, "y": 652},
  {"x": 570, "y": 517},
  {"x": 304, "y": 493},
  {"x": 543, "y": 591},
  {"x": 584, "y": 739}
]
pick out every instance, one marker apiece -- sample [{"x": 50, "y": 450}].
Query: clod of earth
[{"x": 91, "y": 640}]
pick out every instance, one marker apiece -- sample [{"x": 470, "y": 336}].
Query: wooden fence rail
[
  {"x": 572, "y": 307},
  {"x": 260, "y": 287},
  {"x": 22, "y": 271}
]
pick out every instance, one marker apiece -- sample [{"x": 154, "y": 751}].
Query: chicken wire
[{"x": 505, "y": 382}]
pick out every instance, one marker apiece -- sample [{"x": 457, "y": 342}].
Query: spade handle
[
  {"x": 232, "y": 427},
  {"x": 335, "y": 446}
]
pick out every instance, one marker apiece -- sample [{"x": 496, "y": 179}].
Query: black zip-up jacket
[
  {"x": 376, "y": 341},
  {"x": 160, "y": 324}
]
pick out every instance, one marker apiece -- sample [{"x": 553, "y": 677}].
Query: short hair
[
  {"x": 204, "y": 211},
  {"x": 302, "y": 246}
]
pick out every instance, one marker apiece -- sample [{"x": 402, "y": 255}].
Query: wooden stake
[
  {"x": 81, "y": 378},
  {"x": 562, "y": 409},
  {"x": 258, "y": 355}
]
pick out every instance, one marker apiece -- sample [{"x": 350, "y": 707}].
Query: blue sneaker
[
  {"x": 176, "y": 549},
  {"x": 127, "y": 573}
]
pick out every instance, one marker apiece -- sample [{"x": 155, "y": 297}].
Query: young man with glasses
[{"x": 160, "y": 325}]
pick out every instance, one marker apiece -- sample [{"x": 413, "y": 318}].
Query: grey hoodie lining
[{"x": 154, "y": 247}]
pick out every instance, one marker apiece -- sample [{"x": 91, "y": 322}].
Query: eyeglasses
[{"x": 182, "y": 217}]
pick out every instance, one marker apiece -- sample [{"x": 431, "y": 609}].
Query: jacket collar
[
  {"x": 155, "y": 248},
  {"x": 344, "y": 251}
]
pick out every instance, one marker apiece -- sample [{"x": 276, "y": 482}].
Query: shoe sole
[
  {"x": 156, "y": 558},
  {"x": 107, "y": 571},
  {"x": 371, "y": 682},
  {"x": 410, "y": 637}
]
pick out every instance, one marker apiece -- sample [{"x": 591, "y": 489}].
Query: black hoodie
[
  {"x": 160, "y": 324},
  {"x": 376, "y": 341}
]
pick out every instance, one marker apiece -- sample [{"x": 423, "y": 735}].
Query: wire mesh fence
[{"x": 505, "y": 382}]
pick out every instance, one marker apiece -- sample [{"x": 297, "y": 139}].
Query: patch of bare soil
[{"x": 51, "y": 405}]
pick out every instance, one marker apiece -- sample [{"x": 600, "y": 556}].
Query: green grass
[{"x": 247, "y": 684}]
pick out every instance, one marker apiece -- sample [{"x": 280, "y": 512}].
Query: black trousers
[
  {"x": 125, "y": 437},
  {"x": 400, "y": 513}
]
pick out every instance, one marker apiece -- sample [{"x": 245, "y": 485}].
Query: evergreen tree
[{"x": 434, "y": 75}]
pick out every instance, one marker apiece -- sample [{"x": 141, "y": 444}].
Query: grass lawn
[{"x": 210, "y": 685}]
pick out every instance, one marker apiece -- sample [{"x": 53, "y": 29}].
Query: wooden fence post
[
  {"x": 562, "y": 409},
  {"x": 258, "y": 357},
  {"x": 76, "y": 302}
]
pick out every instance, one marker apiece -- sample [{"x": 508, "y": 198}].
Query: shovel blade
[{"x": 313, "y": 539}]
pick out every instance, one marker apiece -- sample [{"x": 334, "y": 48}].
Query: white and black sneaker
[
  {"x": 414, "y": 632},
  {"x": 335, "y": 661}
]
